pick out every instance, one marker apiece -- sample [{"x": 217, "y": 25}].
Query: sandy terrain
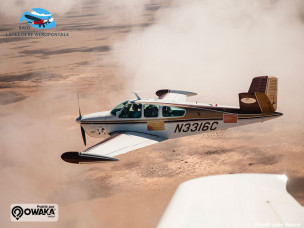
[{"x": 39, "y": 78}]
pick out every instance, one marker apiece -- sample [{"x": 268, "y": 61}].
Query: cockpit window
[
  {"x": 131, "y": 111},
  {"x": 151, "y": 110},
  {"x": 170, "y": 111},
  {"x": 118, "y": 108}
]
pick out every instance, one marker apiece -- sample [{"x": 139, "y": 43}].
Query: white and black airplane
[
  {"x": 39, "y": 21},
  {"x": 137, "y": 123}
]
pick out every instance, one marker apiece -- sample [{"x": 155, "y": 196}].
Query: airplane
[
  {"x": 138, "y": 123},
  {"x": 38, "y": 21}
]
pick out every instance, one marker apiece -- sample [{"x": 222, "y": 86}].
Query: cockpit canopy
[
  {"x": 118, "y": 107},
  {"x": 137, "y": 110},
  {"x": 131, "y": 111}
]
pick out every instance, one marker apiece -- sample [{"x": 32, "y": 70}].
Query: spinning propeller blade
[
  {"x": 83, "y": 135},
  {"x": 81, "y": 128}
]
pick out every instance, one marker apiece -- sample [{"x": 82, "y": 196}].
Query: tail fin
[{"x": 261, "y": 96}]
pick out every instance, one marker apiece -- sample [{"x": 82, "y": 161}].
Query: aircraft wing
[
  {"x": 118, "y": 143},
  {"x": 32, "y": 18},
  {"x": 234, "y": 200}
]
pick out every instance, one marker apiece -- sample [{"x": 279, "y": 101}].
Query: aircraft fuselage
[{"x": 197, "y": 119}]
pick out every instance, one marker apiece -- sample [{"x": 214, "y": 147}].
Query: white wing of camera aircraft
[
  {"x": 234, "y": 200},
  {"x": 137, "y": 123}
]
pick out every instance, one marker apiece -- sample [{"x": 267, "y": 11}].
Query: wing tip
[{"x": 78, "y": 158}]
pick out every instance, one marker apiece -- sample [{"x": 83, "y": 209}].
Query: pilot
[
  {"x": 154, "y": 112},
  {"x": 137, "y": 111},
  {"x": 125, "y": 112}
]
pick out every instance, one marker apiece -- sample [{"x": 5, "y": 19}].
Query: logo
[
  {"x": 39, "y": 19},
  {"x": 17, "y": 212},
  {"x": 34, "y": 212},
  {"x": 248, "y": 100}
]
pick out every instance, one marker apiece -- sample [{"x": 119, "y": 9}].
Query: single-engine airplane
[
  {"x": 137, "y": 123},
  {"x": 38, "y": 21}
]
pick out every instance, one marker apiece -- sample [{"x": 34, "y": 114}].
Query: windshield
[
  {"x": 131, "y": 111},
  {"x": 118, "y": 108}
]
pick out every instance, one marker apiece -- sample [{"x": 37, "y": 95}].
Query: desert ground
[{"x": 114, "y": 48}]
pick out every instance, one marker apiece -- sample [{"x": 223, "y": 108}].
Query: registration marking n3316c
[{"x": 195, "y": 127}]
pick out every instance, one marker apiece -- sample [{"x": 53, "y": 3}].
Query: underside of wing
[
  {"x": 32, "y": 18},
  {"x": 118, "y": 143}
]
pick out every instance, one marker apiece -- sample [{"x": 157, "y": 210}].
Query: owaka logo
[
  {"x": 17, "y": 212},
  {"x": 34, "y": 212}
]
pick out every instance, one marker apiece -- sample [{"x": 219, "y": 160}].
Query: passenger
[
  {"x": 167, "y": 111},
  {"x": 147, "y": 111},
  {"x": 154, "y": 112}
]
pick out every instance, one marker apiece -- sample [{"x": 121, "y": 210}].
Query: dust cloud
[
  {"x": 33, "y": 136},
  {"x": 215, "y": 48}
]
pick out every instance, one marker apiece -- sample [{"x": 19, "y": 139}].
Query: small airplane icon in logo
[
  {"x": 38, "y": 21},
  {"x": 39, "y": 18}
]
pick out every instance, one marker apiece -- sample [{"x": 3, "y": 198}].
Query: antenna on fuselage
[{"x": 136, "y": 94}]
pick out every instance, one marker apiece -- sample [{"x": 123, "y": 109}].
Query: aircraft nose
[{"x": 78, "y": 120}]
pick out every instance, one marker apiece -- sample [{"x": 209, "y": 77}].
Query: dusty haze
[{"x": 114, "y": 47}]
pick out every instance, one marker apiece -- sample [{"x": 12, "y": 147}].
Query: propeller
[
  {"x": 79, "y": 119},
  {"x": 48, "y": 21},
  {"x": 83, "y": 135}
]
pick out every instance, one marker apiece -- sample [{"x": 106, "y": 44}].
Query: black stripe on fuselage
[
  {"x": 174, "y": 121},
  {"x": 145, "y": 121}
]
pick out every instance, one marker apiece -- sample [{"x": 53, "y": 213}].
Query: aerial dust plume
[{"x": 215, "y": 48}]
